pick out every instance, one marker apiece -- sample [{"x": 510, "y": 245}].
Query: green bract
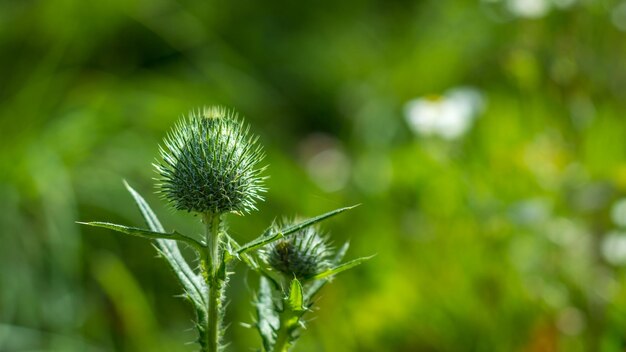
[
  {"x": 210, "y": 164},
  {"x": 303, "y": 255}
]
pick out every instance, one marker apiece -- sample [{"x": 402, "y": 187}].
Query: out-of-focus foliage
[{"x": 497, "y": 216}]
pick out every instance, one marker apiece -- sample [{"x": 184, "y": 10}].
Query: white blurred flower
[
  {"x": 529, "y": 8},
  {"x": 448, "y": 116},
  {"x": 614, "y": 248}
]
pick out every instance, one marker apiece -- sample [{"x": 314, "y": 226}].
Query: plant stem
[
  {"x": 215, "y": 283},
  {"x": 288, "y": 323},
  {"x": 282, "y": 341},
  {"x": 213, "y": 236}
]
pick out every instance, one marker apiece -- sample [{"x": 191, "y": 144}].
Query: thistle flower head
[
  {"x": 210, "y": 164},
  {"x": 302, "y": 254}
]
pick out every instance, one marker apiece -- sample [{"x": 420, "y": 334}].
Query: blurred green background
[{"x": 485, "y": 139}]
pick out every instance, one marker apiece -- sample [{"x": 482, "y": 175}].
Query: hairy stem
[
  {"x": 212, "y": 262},
  {"x": 213, "y": 236},
  {"x": 282, "y": 342},
  {"x": 288, "y": 324}
]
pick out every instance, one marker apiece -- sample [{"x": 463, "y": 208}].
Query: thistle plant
[
  {"x": 300, "y": 266},
  {"x": 210, "y": 165}
]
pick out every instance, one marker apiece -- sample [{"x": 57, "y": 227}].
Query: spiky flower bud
[
  {"x": 210, "y": 164},
  {"x": 302, "y": 254}
]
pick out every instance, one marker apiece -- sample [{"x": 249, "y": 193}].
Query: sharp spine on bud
[{"x": 209, "y": 163}]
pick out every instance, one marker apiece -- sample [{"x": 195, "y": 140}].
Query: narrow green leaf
[
  {"x": 265, "y": 238},
  {"x": 251, "y": 262},
  {"x": 148, "y": 215},
  {"x": 296, "y": 298},
  {"x": 152, "y": 235},
  {"x": 270, "y": 236},
  {"x": 135, "y": 231},
  {"x": 317, "y": 285},
  {"x": 338, "y": 269},
  {"x": 297, "y": 227},
  {"x": 341, "y": 253},
  {"x": 268, "y": 321},
  {"x": 234, "y": 247},
  {"x": 192, "y": 283}
]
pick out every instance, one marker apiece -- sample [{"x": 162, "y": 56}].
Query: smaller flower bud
[{"x": 302, "y": 254}]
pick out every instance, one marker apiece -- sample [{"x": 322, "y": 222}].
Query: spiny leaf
[
  {"x": 341, "y": 253},
  {"x": 268, "y": 321},
  {"x": 270, "y": 235},
  {"x": 318, "y": 284},
  {"x": 338, "y": 269},
  {"x": 297, "y": 227},
  {"x": 234, "y": 253},
  {"x": 153, "y": 235},
  {"x": 192, "y": 283},
  {"x": 251, "y": 262},
  {"x": 266, "y": 237},
  {"x": 296, "y": 298},
  {"x": 148, "y": 215}
]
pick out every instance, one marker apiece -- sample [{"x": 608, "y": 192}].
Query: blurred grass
[{"x": 490, "y": 242}]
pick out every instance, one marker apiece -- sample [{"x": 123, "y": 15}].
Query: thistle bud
[
  {"x": 210, "y": 164},
  {"x": 303, "y": 254}
]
